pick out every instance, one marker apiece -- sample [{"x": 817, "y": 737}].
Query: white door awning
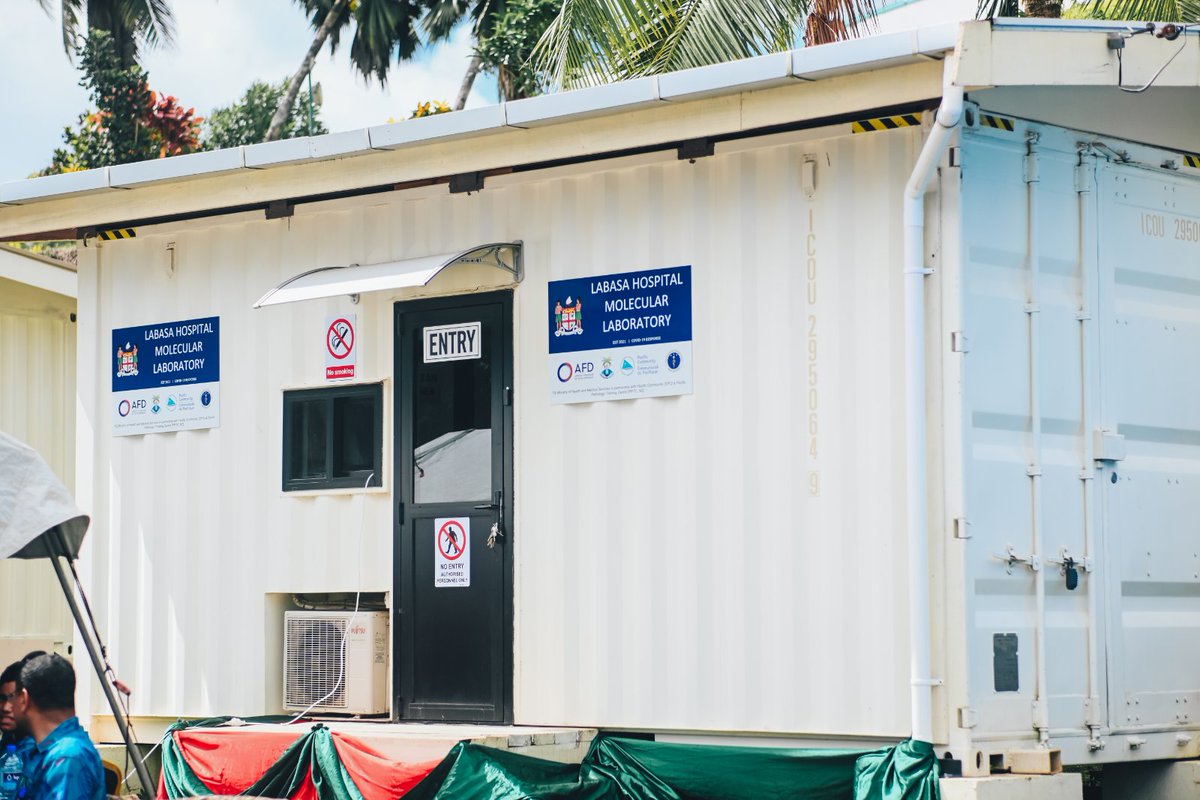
[{"x": 356, "y": 279}]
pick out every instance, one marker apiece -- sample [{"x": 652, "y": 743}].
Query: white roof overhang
[
  {"x": 38, "y": 271},
  {"x": 356, "y": 279}
]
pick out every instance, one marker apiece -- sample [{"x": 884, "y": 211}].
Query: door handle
[{"x": 497, "y": 531}]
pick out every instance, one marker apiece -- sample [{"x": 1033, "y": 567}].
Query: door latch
[
  {"x": 1010, "y": 559},
  {"x": 497, "y": 531},
  {"x": 1069, "y": 568}
]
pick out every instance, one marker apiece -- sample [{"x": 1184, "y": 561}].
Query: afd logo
[{"x": 567, "y": 370}]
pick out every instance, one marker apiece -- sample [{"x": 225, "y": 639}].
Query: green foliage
[
  {"x": 506, "y": 50},
  {"x": 64, "y": 250},
  {"x": 132, "y": 24},
  {"x": 122, "y": 100},
  {"x": 599, "y": 41},
  {"x": 130, "y": 123},
  {"x": 247, "y": 120},
  {"x": 1160, "y": 10}
]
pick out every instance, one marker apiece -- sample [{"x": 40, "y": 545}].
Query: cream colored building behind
[{"x": 37, "y": 406}]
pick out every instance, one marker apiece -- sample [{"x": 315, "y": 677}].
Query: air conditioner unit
[{"x": 312, "y": 661}]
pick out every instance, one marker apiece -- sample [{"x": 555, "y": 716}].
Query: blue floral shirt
[{"x": 64, "y": 766}]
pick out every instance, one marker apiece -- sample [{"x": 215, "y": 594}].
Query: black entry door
[{"x": 453, "y": 562}]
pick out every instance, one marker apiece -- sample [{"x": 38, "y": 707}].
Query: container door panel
[
  {"x": 1025, "y": 388},
  {"x": 1150, "y": 478}
]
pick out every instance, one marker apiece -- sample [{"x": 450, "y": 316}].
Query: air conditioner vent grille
[{"x": 313, "y": 654}]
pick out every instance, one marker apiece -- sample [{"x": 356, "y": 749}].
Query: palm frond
[
  {"x": 385, "y": 29},
  {"x": 442, "y": 16},
  {"x": 317, "y": 10},
  {"x": 595, "y": 41},
  {"x": 710, "y": 31},
  {"x": 71, "y": 9},
  {"x": 1148, "y": 10},
  {"x": 159, "y": 22}
]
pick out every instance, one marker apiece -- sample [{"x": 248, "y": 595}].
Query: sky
[{"x": 221, "y": 47}]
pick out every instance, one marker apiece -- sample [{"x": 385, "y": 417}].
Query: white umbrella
[
  {"x": 33, "y": 505},
  {"x": 39, "y": 519}
]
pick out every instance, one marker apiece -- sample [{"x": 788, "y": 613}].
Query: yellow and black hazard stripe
[
  {"x": 885, "y": 123},
  {"x": 117, "y": 233},
  {"x": 999, "y": 123},
  {"x": 1192, "y": 160}
]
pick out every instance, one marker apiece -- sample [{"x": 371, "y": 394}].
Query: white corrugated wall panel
[
  {"x": 672, "y": 569},
  {"x": 37, "y": 406}
]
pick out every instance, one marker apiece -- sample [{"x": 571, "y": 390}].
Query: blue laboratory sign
[
  {"x": 621, "y": 336},
  {"x": 166, "y": 376}
]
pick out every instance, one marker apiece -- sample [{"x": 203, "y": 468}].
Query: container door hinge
[
  {"x": 1031, "y": 168},
  {"x": 400, "y": 513},
  {"x": 967, "y": 718},
  {"x": 1083, "y": 178},
  {"x": 1091, "y": 714},
  {"x": 508, "y": 396},
  {"x": 958, "y": 342},
  {"x": 956, "y": 157},
  {"x": 1107, "y": 445},
  {"x": 962, "y": 528}
]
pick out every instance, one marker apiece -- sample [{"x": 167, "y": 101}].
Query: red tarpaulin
[{"x": 228, "y": 761}]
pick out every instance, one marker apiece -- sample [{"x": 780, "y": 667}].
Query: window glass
[
  {"x": 333, "y": 438},
  {"x": 452, "y": 428},
  {"x": 353, "y": 436},
  {"x": 308, "y": 439}
]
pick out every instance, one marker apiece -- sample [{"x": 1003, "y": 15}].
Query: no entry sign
[
  {"x": 340, "y": 347},
  {"x": 452, "y": 551}
]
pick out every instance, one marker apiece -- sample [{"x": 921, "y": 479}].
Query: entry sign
[
  {"x": 452, "y": 342},
  {"x": 341, "y": 347},
  {"x": 452, "y": 551},
  {"x": 621, "y": 336},
  {"x": 166, "y": 376}
]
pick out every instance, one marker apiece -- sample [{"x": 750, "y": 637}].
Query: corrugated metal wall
[
  {"x": 37, "y": 406},
  {"x": 728, "y": 560}
]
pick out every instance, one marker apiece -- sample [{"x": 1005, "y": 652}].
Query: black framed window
[{"x": 333, "y": 438}]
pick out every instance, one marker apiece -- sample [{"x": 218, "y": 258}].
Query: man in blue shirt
[
  {"x": 64, "y": 765},
  {"x": 10, "y": 732}
]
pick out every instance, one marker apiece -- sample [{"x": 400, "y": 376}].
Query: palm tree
[
  {"x": 598, "y": 41},
  {"x": 441, "y": 20},
  {"x": 383, "y": 30},
  {"x": 132, "y": 23}
]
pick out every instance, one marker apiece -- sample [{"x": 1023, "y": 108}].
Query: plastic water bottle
[{"x": 11, "y": 770}]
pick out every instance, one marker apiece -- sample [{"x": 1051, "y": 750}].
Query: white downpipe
[
  {"x": 1041, "y": 716},
  {"x": 1088, "y": 467},
  {"x": 917, "y": 523}
]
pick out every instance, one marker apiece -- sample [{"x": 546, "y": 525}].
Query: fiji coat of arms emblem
[
  {"x": 126, "y": 360},
  {"x": 568, "y": 317}
]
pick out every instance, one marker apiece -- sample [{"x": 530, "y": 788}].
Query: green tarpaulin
[
  {"x": 634, "y": 769},
  {"x": 614, "y": 769}
]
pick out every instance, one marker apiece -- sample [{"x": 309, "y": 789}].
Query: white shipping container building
[{"x": 924, "y": 460}]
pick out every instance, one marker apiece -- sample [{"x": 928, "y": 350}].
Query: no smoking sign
[{"x": 341, "y": 348}]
